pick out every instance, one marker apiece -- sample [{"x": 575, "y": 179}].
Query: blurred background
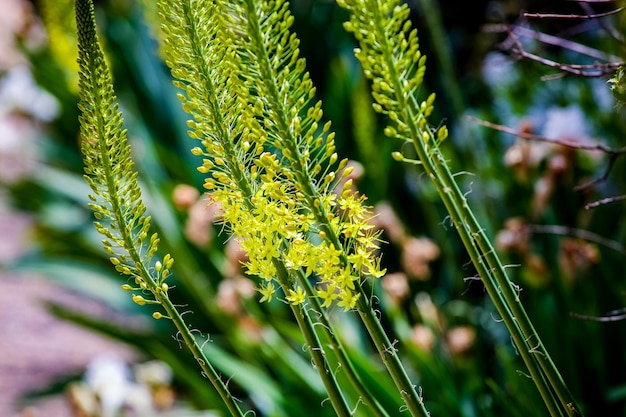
[{"x": 73, "y": 344}]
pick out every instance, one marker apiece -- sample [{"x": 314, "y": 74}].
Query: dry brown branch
[
  {"x": 608, "y": 318},
  {"x": 572, "y": 16},
  {"x": 604, "y": 201},
  {"x": 549, "y": 40},
  {"x": 592, "y": 70},
  {"x": 568, "y": 143},
  {"x": 577, "y": 233}
]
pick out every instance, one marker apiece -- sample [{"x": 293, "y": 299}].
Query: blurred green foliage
[{"x": 259, "y": 346}]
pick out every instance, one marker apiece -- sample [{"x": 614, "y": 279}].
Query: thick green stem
[
  {"x": 207, "y": 369},
  {"x": 320, "y": 360},
  {"x": 509, "y": 292},
  {"x": 390, "y": 358},
  {"x": 457, "y": 208},
  {"x": 338, "y": 347},
  {"x": 484, "y": 258}
]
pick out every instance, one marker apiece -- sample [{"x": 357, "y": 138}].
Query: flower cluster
[
  {"x": 109, "y": 170},
  {"x": 270, "y": 161},
  {"x": 275, "y": 228},
  {"x": 395, "y": 66}
]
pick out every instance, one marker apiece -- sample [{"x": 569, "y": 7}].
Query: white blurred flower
[
  {"x": 499, "y": 70},
  {"x": 109, "y": 378},
  {"x": 19, "y": 92},
  {"x": 566, "y": 123},
  {"x": 153, "y": 373},
  {"x": 18, "y": 153}
]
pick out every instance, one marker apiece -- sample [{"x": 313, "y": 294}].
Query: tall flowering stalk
[
  {"x": 273, "y": 168},
  {"x": 116, "y": 199},
  {"x": 258, "y": 204},
  {"x": 389, "y": 54}
]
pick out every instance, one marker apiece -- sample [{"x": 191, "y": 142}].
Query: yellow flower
[
  {"x": 296, "y": 297},
  {"x": 268, "y": 291},
  {"x": 328, "y": 294},
  {"x": 348, "y": 300}
]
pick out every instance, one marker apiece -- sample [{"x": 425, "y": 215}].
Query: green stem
[
  {"x": 268, "y": 76},
  {"x": 338, "y": 347},
  {"x": 320, "y": 360},
  {"x": 457, "y": 208},
  {"x": 491, "y": 272},
  {"x": 304, "y": 322},
  {"x": 126, "y": 208},
  {"x": 530, "y": 335},
  {"x": 304, "y": 177},
  {"x": 389, "y": 356},
  {"x": 384, "y": 347},
  {"x": 207, "y": 369}
]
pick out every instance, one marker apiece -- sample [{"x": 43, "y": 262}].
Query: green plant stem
[
  {"x": 390, "y": 358},
  {"x": 492, "y": 274},
  {"x": 208, "y": 370},
  {"x": 310, "y": 191},
  {"x": 384, "y": 347},
  {"x": 494, "y": 289},
  {"x": 212, "y": 103},
  {"x": 484, "y": 258},
  {"x": 161, "y": 296},
  {"x": 500, "y": 291},
  {"x": 530, "y": 336},
  {"x": 320, "y": 360},
  {"x": 338, "y": 347}
]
